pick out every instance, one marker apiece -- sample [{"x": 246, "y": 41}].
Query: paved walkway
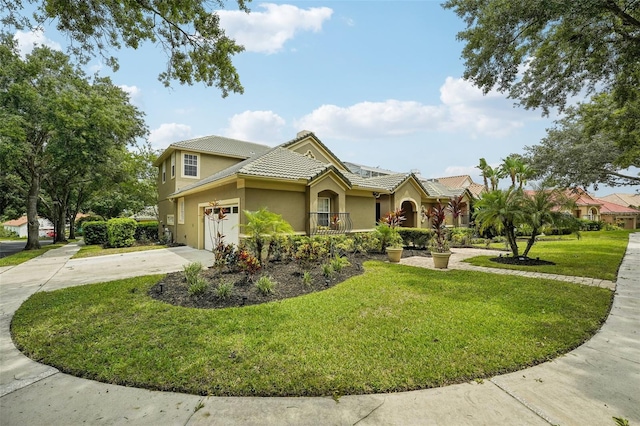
[{"x": 590, "y": 385}]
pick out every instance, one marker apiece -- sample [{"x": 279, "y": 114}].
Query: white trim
[
  {"x": 181, "y": 211},
  {"x": 221, "y": 203},
  {"x": 198, "y": 165}
]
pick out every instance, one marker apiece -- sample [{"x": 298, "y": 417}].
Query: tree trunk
[
  {"x": 33, "y": 226},
  {"x": 510, "y": 230},
  {"x": 531, "y": 241}
]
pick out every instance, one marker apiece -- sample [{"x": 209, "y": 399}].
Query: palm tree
[
  {"x": 494, "y": 176},
  {"x": 544, "y": 207},
  {"x": 484, "y": 168},
  {"x": 510, "y": 166},
  {"x": 262, "y": 225},
  {"x": 501, "y": 210},
  {"x": 523, "y": 173}
]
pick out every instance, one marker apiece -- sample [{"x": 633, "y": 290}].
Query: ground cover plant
[
  {"x": 393, "y": 328},
  {"x": 595, "y": 254}
]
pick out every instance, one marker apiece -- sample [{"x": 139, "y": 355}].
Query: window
[
  {"x": 181, "y": 211},
  {"x": 324, "y": 208},
  {"x": 164, "y": 172},
  {"x": 173, "y": 165},
  {"x": 190, "y": 165}
]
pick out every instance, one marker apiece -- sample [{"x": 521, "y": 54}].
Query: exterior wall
[
  {"x": 190, "y": 233},
  {"x": 582, "y": 212},
  {"x": 208, "y": 164},
  {"x": 408, "y": 192},
  {"x": 624, "y": 221},
  {"x": 362, "y": 211},
  {"x": 289, "y": 204}
]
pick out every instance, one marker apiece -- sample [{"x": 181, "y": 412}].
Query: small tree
[
  {"x": 456, "y": 207},
  {"x": 440, "y": 242},
  {"x": 501, "y": 209},
  {"x": 544, "y": 207},
  {"x": 262, "y": 225},
  {"x": 387, "y": 229}
]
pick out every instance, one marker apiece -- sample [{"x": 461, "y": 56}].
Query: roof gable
[{"x": 307, "y": 140}]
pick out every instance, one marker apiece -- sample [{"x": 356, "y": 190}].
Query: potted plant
[
  {"x": 390, "y": 239},
  {"x": 439, "y": 245}
]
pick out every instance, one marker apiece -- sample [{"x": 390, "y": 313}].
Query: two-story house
[{"x": 300, "y": 179}]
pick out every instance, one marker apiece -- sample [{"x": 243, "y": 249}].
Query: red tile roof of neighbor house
[
  {"x": 623, "y": 199},
  {"x": 612, "y": 208},
  {"x": 16, "y": 222},
  {"x": 454, "y": 181}
]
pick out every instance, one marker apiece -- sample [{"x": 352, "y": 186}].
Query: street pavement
[{"x": 588, "y": 386}]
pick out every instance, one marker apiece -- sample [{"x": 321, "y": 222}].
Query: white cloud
[
  {"x": 256, "y": 126},
  {"x": 268, "y": 31},
  {"x": 367, "y": 120},
  {"x": 135, "y": 94},
  {"x": 491, "y": 114},
  {"x": 463, "y": 109},
  {"x": 27, "y": 40},
  {"x": 168, "y": 133}
]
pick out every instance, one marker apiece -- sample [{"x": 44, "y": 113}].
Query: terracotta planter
[
  {"x": 394, "y": 254},
  {"x": 441, "y": 260}
]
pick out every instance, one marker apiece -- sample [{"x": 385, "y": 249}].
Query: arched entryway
[{"x": 409, "y": 209}]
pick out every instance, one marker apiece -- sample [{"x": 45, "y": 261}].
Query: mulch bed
[
  {"x": 173, "y": 289},
  {"x": 520, "y": 261}
]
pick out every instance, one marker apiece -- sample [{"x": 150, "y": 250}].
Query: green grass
[
  {"x": 596, "y": 254},
  {"x": 98, "y": 250},
  {"x": 395, "y": 328},
  {"x": 23, "y": 256}
]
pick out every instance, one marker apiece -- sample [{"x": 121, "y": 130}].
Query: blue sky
[{"x": 379, "y": 82}]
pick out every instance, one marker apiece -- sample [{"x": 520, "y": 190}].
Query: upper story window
[
  {"x": 173, "y": 165},
  {"x": 164, "y": 171},
  {"x": 190, "y": 165}
]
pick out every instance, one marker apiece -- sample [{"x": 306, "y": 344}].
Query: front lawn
[
  {"x": 394, "y": 328},
  {"x": 98, "y": 250},
  {"x": 596, "y": 254}
]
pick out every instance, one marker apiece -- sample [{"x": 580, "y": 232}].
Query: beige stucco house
[{"x": 300, "y": 179}]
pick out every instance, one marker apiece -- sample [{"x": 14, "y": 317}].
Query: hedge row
[
  {"x": 119, "y": 232},
  {"x": 416, "y": 237}
]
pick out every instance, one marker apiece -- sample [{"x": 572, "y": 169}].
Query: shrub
[
  {"x": 307, "y": 278},
  {"x": 83, "y": 220},
  {"x": 192, "y": 271},
  {"x": 590, "y": 225},
  {"x": 461, "y": 237},
  {"x": 416, "y": 237},
  {"x": 327, "y": 270},
  {"x": 224, "y": 289},
  {"x": 198, "y": 287},
  {"x": 146, "y": 231},
  {"x": 338, "y": 262},
  {"x": 265, "y": 284},
  {"x": 121, "y": 232},
  {"x": 95, "y": 232},
  {"x": 5, "y": 233},
  {"x": 249, "y": 264},
  {"x": 365, "y": 242}
]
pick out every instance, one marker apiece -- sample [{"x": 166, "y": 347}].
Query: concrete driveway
[{"x": 590, "y": 385}]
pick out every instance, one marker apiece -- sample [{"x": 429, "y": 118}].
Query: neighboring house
[
  {"x": 622, "y": 216},
  {"x": 627, "y": 200},
  {"x": 19, "y": 226},
  {"x": 463, "y": 181},
  {"x": 593, "y": 208},
  {"x": 301, "y": 179}
]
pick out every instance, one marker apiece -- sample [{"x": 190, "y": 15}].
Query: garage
[{"x": 228, "y": 226}]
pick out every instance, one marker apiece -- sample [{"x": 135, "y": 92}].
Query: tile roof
[
  {"x": 454, "y": 181},
  {"x": 16, "y": 222},
  {"x": 608, "y": 207},
  {"x": 623, "y": 199},
  {"x": 437, "y": 189},
  {"x": 217, "y": 145},
  {"x": 278, "y": 163},
  {"x": 222, "y": 145}
]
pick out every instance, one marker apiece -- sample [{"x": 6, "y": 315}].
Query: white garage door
[{"x": 228, "y": 227}]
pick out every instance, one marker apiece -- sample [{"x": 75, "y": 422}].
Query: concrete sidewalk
[{"x": 589, "y": 385}]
